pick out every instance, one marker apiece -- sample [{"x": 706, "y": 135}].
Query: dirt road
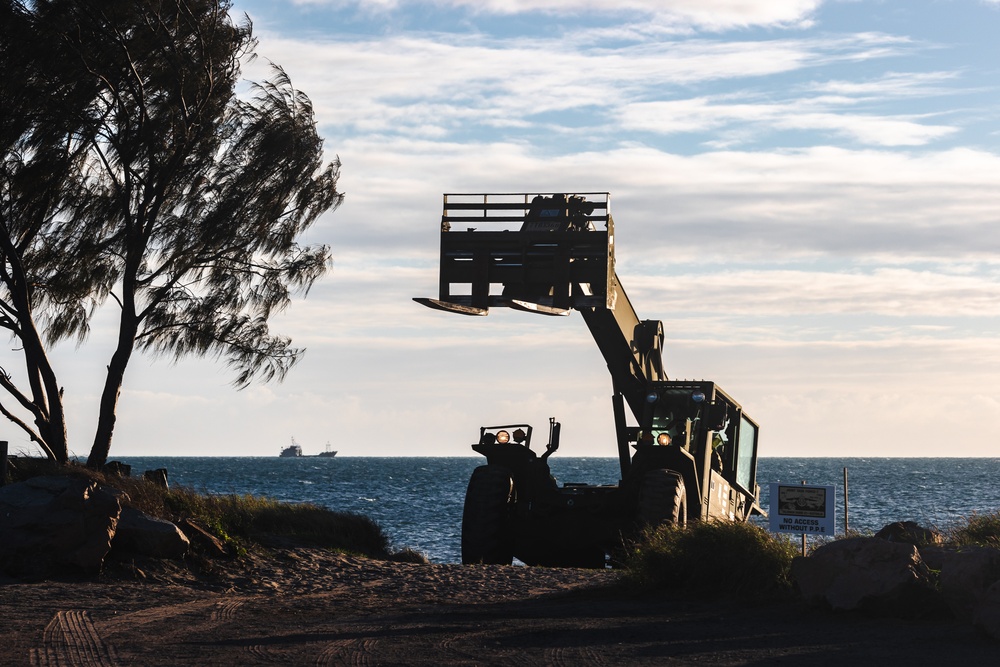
[{"x": 314, "y": 609}]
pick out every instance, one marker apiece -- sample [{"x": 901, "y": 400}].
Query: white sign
[{"x": 800, "y": 508}]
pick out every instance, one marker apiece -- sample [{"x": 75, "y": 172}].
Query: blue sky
[{"x": 804, "y": 191}]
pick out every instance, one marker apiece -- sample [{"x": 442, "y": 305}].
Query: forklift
[{"x": 689, "y": 451}]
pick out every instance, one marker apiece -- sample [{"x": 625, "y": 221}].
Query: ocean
[{"x": 418, "y": 500}]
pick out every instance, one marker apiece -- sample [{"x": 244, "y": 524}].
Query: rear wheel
[
  {"x": 486, "y": 530},
  {"x": 662, "y": 499}
]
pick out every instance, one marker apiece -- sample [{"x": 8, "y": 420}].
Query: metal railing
[{"x": 507, "y": 207}]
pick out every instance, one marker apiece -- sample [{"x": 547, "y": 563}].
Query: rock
[
  {"x": 200, "y": 536},
  {"x": 987, "y": 616},
  {"x": 117, "y": 469},
  {"x": 49, "y": 523},
  {"x": 908, "y": 532},
  {"x": 866, "y": 573},
  {"x": 935, "y": 557},
  {"x": 158, "y": 477},
  {"x": 144, "y": 535},
  {"x": 965, "y": 576}
]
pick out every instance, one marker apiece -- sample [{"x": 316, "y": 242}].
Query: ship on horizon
[{"x": 295, "y": 450}]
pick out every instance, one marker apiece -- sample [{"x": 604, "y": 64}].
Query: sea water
[{"x": 418, "y": 501}]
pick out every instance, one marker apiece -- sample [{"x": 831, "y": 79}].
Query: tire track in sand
[
  {"x": 465, "y": 645},
  {"x": 225, "y": 610},
  {"x": 355, "y": 652},
  {"x": 71, "y": 640},
  {"x": 573, "y": 657}
]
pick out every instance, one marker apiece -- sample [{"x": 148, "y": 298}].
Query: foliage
[
  {"x": 979, "y": 529},
  {"x": 724, "y": 559},
  {"x": 241, "y": 521},
  {"x": 132, "y": 174},
  {"x": 263, "y": 520}
]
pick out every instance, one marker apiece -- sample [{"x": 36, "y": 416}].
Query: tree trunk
[
  {"x": 51, "y": 419},
  {"x": 46, "y": 399},
  {"x": 107, "y": 416}
]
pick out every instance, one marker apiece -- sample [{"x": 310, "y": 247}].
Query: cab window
[{"x": 745, "y": 454}]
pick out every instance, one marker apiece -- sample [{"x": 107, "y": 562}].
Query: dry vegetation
[
  {"x": 732, "y": 560},
  {"x": 241, "y": 522}
]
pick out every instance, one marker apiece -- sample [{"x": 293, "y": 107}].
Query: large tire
[
  {"x": 662, "y": 499},
  {"x": 486, "y": 529}
]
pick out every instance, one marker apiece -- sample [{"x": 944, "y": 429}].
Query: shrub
[
  {"x": 978, "y": 529},
  {"x": 238, "y": 520},
  {"x": 733, "y": 560},
  {"x": 268, "y": 521}
]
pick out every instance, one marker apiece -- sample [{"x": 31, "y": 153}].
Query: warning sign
[{"x": 800, "y": 508}]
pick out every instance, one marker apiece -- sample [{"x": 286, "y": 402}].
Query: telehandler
[{"x": 691, "y": 453}]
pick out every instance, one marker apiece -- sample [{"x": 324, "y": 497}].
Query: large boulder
[
  {"x": 52, "y": 524},
  {"x": 987, "y": 616},
  {"x": 965, "y": 575},
  {"x": 909, "y": 532},
  {"x": 144, "y": 535},
  {"x": 866, "y": 573}
]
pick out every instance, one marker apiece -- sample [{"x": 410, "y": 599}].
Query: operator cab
[{"x": 705, "y": 422}]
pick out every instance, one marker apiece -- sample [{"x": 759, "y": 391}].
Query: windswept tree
[
  {"x": 43, "y": 295},
  {"x": 178, "y": 203}
]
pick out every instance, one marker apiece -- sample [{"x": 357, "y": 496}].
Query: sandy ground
[{"x": 312, "y": 608}]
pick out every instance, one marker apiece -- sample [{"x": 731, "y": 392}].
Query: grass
[
  {"x": 977, "y": 530},
  {"x": 238, "y": 518},
  {"x": 241, "y": 521},
  {"x": 744, "y": 561},
  {"x": 730, "y": 560}
]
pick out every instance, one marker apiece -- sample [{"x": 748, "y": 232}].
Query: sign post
[{"x": 803, "y": 509}]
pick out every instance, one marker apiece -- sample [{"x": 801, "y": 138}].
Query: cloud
[
  {"x": 890, "y": 292},
  {"x": 703, "y": 115},
  {"x": 515, "y": 87},
  {"x": 715, "y": 208},
  {"x": 703, "y": 14}
]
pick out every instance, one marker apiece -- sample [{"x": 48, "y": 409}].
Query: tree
[
  {"x": 43, "y": 151},
  {"x": 181, "y": 203}
]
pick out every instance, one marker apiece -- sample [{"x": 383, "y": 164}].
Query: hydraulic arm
[{"x": 555, "y": 260}]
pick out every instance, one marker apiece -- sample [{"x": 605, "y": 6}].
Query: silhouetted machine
[{"x": 692, "y": 453}]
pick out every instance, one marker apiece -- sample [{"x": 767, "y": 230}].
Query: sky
[{"x": 805, "y": 192}]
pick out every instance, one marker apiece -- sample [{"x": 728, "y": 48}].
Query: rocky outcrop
[
  {"x": 889, "y": 575},
  {"x": 63, "y": 524},
  {"x": 964, "y": 575},
  {"x": 864, "y": 573},
  {"x": 144, "y": 535},
  {"x": 59, "y": 523}
]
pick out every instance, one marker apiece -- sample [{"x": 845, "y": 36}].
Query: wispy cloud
[
  {"x": 706, "y": 115},
  {"x": 891, "y": 292},
  {"x": 702, "y": 14},
  {"x": 870, "y": 206},
  {"x": 512, "y": 86}
]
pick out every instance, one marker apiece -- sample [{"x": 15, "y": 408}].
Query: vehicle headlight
[
  {"x": 652, "y": 397},
  {"x": 698, "y": 397},
  {"x": 663, "y": 439},
  {"x": 503, "y": 437},
  {"x": 519, "y": 436}
]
